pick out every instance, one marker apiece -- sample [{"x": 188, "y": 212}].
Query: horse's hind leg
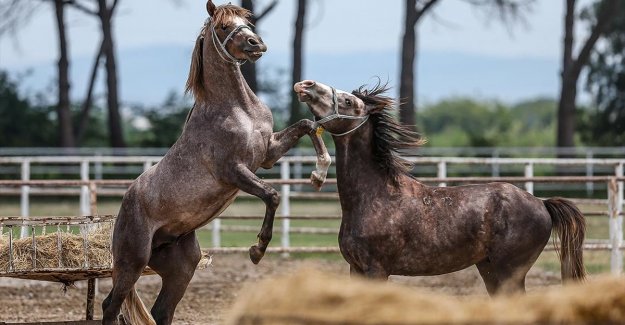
[
  {"x": 175, "y": 263},
  {"x": 131, "y": 252},
  {"x": 504, "y": 278}
]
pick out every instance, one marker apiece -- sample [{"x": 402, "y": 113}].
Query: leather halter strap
[
  {"x": 221, "y": 50},
  {"x": 337, "y": 115}
]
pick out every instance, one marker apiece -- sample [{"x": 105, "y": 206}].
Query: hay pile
[
  {"x": 310, "y": 297},
  {"x": 72, "y": 252}
]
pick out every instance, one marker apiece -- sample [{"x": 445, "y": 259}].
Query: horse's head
[
  {"x": 231, "y": 34},
  {"x": 340, "y": 112}
]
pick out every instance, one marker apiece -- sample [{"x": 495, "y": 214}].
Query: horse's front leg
[
  {"x": 243, "y": 178},
  {"x": 284, "y": 140},
  {"x": 318, "y": 176}
]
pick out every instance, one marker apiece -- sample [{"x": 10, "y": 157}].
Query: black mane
[{"x": 389, "y": 136}]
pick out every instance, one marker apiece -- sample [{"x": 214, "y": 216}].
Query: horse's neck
[
  {"x": 223, "y": 80},
  {"x": 358, "y": 175}
]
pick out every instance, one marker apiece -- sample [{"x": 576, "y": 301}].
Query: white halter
[
  {"x": 222, "y": 51},
  {"x": 338, "y": 115}
]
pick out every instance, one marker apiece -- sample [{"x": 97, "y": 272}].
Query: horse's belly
[{"x": 432, "y": 260}]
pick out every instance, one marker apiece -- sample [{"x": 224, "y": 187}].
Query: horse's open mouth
[
  {"x": 255, "y": 55},
  {"x": 303, "y": 96}
]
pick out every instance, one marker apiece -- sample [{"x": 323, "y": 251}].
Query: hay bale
[
  {"x": 71, "y": 253},
  {"x": 310, "y": 297}
]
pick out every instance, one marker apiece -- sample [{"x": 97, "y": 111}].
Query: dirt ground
[{"x": 213, "y": 290}]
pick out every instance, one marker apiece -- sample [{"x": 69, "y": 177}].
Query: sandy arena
[{"x": 213, "y": 290}]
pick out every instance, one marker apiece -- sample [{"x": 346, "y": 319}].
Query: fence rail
[{"x": 88, "y": 189}]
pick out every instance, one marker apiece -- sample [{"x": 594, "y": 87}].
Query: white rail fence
[{"x": 89, "y": 189}]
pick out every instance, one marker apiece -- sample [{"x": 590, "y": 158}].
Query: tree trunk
[
  {"x": 249, "y": 70},
  {"x": 572, "y": 67},
  {"x": 407, "y": 81},
  {"x": 114, "y": 119},
  {"x": 296, "y": 75},
  {"x": 568, "y": 91},
  {"x": 86, "y": 105},
  {"x": 66, "y": 134}
]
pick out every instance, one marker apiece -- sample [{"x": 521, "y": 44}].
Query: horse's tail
[
  {"x": 569, "y": 225},
  {"x": 134, "y": 311}
]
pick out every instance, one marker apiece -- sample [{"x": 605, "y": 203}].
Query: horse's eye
[
  {"x": 348, "y": 102},
  {"x": 224, "y": 27}
]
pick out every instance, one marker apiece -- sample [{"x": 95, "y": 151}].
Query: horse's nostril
[
  {"x": 252, "y": 41},
  {"x": 308, "y": 83}
]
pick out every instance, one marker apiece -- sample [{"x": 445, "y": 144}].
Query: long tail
[
  {"x": 569, "y": 225},
  {"x": 134, "y": 311}
]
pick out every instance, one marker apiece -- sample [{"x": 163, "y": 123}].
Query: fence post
[
  {"x": 97, "y": 166},
  {"x": 616, "y": 228},
  {"x": 529, "y": 173},
  {"x": 298, "y": 169},
  {"x": 442, "y": 172},
  {"x": 216, "y": 223},
  {"x": 24, "y": 197},
  {"x": 93, "y": 285},
  {"x": 495, "y": 165},
  {"x": 93, "y": 198},
  {"x": 85, "y": 207},
  {"x": 619, "y": 173},
  {"x": 589, "y": 173},
  {"x": 146, "y": 165},
  {"x": 285, "y": 205},
  {"x": 216, "y": 232}
]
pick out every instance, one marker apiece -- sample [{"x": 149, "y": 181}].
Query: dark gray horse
[
  {"x": 393, "y": 224},
  {"x": 227, "y": 137}
]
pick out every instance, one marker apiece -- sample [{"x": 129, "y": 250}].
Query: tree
[
  {"x": 16, "y": 14},
  {"x": 507, "y": 10},
  {"x": 414, "y": 11},
  {"x": 104, "y": 12},
  {"x": 165, "y": 122},
  {"x": 606, "y": 81},
  {"x": 296, "y": 69},
  {"x": 114, "y": 119},
  {"x": 23, "y": 124},
  {"x": 249, "y": 70},
  {"x": 63, "y": 107},
  {"x": 87, "y": 103},
  {"x": 572, "y": 66}
]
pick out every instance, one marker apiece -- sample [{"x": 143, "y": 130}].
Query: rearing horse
[
  {"x": 227, "y": 137},
  {"x": 394, "y": 225}
]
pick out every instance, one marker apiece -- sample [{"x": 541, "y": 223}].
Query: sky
[{"x": 463, "y": 51}]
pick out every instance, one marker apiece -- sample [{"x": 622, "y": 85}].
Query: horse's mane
[
  {"x": 389, "y": 136},
  {"x": 222, "y": 15}
]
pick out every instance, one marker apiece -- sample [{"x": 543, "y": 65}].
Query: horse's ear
[
  {"x": 210, "y": 7},
  {"x": 376, "y": 107}
]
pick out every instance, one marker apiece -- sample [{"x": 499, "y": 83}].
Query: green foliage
[
  {"x": 468, "y": 122},
  {"x": 164, "y": 123},
  {"x": 21, "y": 123},
  {"x": 96, "y": 133},
  {"x": 605, "y": 125}
]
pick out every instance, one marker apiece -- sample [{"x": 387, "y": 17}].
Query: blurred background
[{"x": 470, "y": 73}]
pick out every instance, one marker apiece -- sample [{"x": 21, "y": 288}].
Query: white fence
[{"x": 289, "y": 166}]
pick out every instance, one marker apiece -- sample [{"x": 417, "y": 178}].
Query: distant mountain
[{"x": 149, "y": 74}]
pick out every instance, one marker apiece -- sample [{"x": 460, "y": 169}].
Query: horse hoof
[
  {"x": 316, "y": 181},
  {"x": 256, "y": 254}
]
